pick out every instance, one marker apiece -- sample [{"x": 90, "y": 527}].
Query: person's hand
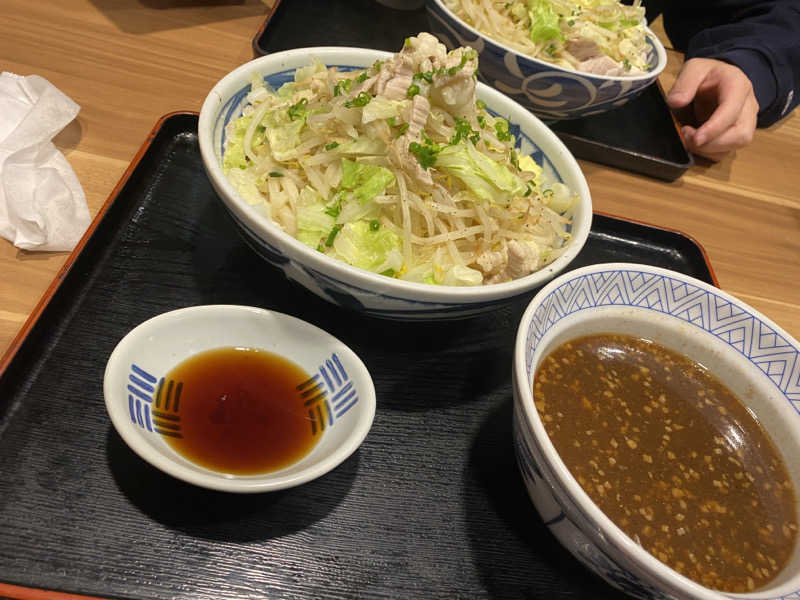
[{"x": 719, "y": 102}]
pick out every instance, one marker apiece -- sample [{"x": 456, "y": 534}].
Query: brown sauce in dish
[
  {"x": 235, "y": 410},
  {"x": 672, "y": 457}
]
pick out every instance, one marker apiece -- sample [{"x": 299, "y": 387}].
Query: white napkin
[{"x": 42, "y": 204}]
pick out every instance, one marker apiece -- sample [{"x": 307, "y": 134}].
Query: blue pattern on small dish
[
  {"x": 548, "y": 91},
  {"x": 328, "y": 395}
]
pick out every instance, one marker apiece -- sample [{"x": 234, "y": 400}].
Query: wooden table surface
[{"x": 128, "y": 62}]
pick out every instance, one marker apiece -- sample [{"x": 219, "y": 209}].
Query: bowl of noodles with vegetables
[
  {"x": 561, "y": 59},
  {"x": 393, "y": 184}
]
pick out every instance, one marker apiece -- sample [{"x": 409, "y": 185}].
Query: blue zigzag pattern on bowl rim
[
  {"x": 745, "y": 332},
  {"x": 548, "y": 93},
  {"x": 344, "y": 294}
]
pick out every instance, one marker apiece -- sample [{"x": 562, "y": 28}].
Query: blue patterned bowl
[
  {"x": 550, "y": 92},
  {"x": 756, "y": 359},
  {"x": 349, "y": 286}
]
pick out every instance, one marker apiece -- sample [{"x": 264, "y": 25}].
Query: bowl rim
[
  {"x": 219, "y": 481},
  {"x": 360, "y": 278},
  {"x": 604, "y": 529},
  {"x": 661, "y": 52}
]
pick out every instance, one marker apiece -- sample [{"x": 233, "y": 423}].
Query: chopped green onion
[
  {"x": 480, "y": 104},
  {"x": 332, "y": 235},
  {"x": 332, "y": 145},
  {"x": 426, "y": 154},
  {"x": 361, "y": 100},
  {"x": 336, "y": 205},
  {"x": 374, "y": 225},
  {"x": 501, "y": 127},
  {"x": 362, "y": 78},
  {"x": 465, "y": 56},
  {"x": 463, "y": 130},
  {"x": 299, "y": 110},
  {"x": 342, "y": 87},
  {"x": 275, "y": 174},
  {"x": 388, "y": 272},
  {"x": 413, "y": 90}
]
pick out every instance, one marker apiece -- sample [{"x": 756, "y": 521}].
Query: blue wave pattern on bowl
[
  {"x": 336, "y": 290},
  {"x": 154, "y": 402},
  {"x": 751, "y": 337},
  {"x": 547, "y": 92},
  {"x": 743, "y": 331}
]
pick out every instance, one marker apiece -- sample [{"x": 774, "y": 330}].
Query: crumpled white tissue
[{"x": 42, "y": 204}]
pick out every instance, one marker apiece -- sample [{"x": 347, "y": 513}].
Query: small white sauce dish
[
  {"x": 757, "y": 360},
  {"x": 153, "y": 348}
]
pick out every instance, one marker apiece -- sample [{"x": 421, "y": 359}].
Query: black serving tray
[
  {"x": 430, "y": 506},
  {"x": 641, "y": 136}
]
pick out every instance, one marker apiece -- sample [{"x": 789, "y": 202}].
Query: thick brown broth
[
  {"x": 672, "y": 457},
  {"x": 238, "y": 411}
]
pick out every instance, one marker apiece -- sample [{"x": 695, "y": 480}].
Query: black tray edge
[
  {"x": 51, "y": 290},
  {"x": 677, "y": 232},
  {"x": 628, "y": 160},
  {"x": 257, "y": 49}
]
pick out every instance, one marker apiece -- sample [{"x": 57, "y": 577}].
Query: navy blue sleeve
[{"x": 760, "y": 37}]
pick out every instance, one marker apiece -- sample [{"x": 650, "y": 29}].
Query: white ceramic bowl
[
  {"x": 755, "y": 358},
  {"x": 349, "y": 286},
  {"x": 144, "y": 356},
  {"x": 549, "y": 91}
]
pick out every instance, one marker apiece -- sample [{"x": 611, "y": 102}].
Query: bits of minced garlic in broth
[{"x": 648, "y": 434}]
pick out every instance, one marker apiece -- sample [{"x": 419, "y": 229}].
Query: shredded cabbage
[
  {"x": 399, "y": 170},
  {"x": 603, "y": 37}
]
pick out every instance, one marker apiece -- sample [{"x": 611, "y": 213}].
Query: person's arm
[{"x": 756, "y": 38}]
